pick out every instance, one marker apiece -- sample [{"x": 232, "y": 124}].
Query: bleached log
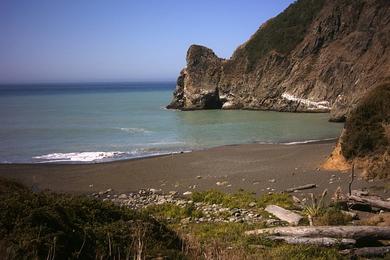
[
  {"x": 319, "y": 241},
  {"x": 367, "y": 251},
  {"x": 284, "y": 214},
  {"x": 354, "y": 232},
  {"x": 371, "y": 201},
  {"x": 303, "y": 187}
]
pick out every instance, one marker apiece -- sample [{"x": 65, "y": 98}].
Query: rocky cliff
[{"x": 316, "y": 56}]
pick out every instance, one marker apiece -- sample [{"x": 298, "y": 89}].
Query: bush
[
  {"x": 47, "y": 225},
  {"x": 364, "y": 130}
]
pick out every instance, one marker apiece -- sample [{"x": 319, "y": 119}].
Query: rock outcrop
[{"x": 316, "y": 56}]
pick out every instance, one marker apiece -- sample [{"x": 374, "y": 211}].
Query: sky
[{"x": 118, "y": 40}]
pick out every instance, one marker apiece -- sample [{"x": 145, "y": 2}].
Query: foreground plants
[{"x": 53, "y": 226}]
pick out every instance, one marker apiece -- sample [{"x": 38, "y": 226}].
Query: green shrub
[
  {"x": 364, "y": 130},
  {"x": 47, "y": 225}
]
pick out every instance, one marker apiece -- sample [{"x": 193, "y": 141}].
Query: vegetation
[
  {"x": 284, "y": 32},
  {"x": 367, "y": 129},
  {"x": 57, "y": 226},
  {"x": 332, "y": 216},
  {"x": 303, "y": 252},
  {"x": 242, "y": 199},
  {"x": 46, "y": 225},
  {"x": 225, "y": 241},
  {"x": 172, "y": 212}
]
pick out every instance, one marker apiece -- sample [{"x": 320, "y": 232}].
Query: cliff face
[{"x": 316, "y": 56}]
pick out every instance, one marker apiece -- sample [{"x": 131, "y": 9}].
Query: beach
[{"x": 260, "y": 168}]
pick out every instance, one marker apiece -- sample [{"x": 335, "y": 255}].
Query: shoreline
[
  {"x": 259, "y": 168},
  {"x": 102, "y": 161}
]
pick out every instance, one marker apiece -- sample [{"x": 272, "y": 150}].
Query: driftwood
[
  {"x": 303, "y": 187},
  {"x": 371, "y": 201},
  {"x": 284, "y": 214},
  {"x": 319, "y": 241},
  {"x": 354, "y": 232},
  {"x": 367, "y": 251}
]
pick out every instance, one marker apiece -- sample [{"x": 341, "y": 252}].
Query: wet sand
[{"x": 260, "y": 168}]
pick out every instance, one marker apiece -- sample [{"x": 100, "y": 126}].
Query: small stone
[
  {"x": 223, "y": 183},
  {"x": 91, "y": 185},
  {"x": 199, "y": 177},
  {"x": 252, "y": 204},
  {"x": 187, "y": 193},
  {"x": 153, "y": 191},
  {"x": 256, "y": 183},
  {"x": 185, "y": 220},
  {"x": 172, "y": 192},
  {"x": 108, "y": 190},
  {"x": 272, "y": 180},
  {"x": 122, "y": 196}
]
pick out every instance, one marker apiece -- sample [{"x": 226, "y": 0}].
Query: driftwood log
[
  {"x": 319, "y": 241},
  {"x": 284, "y": 214},
  {"x": 354, "y": 232},
  {"x": 367, "y": 251},
  {"x": 303, "y": 187},
  {"x": 371, "y": 201}
]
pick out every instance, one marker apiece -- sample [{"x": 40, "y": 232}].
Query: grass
[
  {"x": 242, "y": 199},
  {"x": 172, "y": 212},
  {"x": 47, "y": 225},
  {"x": 302, "y": 252},
  {"x": 332, "y": 217},
  {"x": 227, "y": 241}
]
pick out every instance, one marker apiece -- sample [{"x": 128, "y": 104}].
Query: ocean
[{"x": 97, "y": 122}]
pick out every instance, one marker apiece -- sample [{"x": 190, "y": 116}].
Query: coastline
[{"x": 260, "y": 168}]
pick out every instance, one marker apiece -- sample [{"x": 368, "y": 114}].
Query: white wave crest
[
  {"x": 78, "y": 157},
  {"x": 310, "y": 141},
  {"x": 134, "y": 130}
]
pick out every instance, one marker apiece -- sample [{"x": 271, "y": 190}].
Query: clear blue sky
[{"x": 104, "y": 40}]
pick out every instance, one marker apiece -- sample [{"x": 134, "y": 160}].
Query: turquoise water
[{"x": 102, "y": 122}]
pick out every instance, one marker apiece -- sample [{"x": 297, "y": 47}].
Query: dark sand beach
[{"x": 260, "y": 168}]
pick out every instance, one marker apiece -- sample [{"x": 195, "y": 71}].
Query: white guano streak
[{"x": 309, "y": 103}]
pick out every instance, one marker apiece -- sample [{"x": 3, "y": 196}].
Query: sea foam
[
  {"x": 134, "y": 130},
  {"x": 78, "y": 157}
]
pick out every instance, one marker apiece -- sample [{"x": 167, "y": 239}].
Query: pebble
[
  {"x": 272, "y": 180},
  {"x": 212, "y": 213},
  {"x": 223, "y": 183},
  {"x": 252, "y": 204},
  {"x": 122, "y": 196}
]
